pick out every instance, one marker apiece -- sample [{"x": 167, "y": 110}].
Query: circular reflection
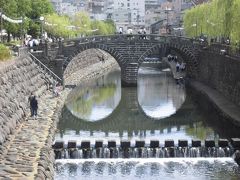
[
  {"x": 158, "y": 93},
  {"x": 96, "y": 100}
]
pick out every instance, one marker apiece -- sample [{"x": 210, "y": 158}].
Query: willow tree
[
  {"x": 111, "y": 27},
  {"x": 59, "y": 26},
  {"x": 214, "y": 19},
  {"x": 235, "y": 34},
  {"x": 82, "y": 23},
  {"x": 98, "y": 28},
  {"x": 190, "y": 23},
  {"x": 218, "y": 18},
  {"x": 225, "y": 10}
]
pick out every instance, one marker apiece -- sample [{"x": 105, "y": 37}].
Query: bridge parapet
[{"x": 129, "y": 37}]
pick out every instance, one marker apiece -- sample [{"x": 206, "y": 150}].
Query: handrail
[{"x": 46, "y": 68}]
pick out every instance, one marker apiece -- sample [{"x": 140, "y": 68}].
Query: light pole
[
  {"x": 166, "y": 11},
  {"x": 42, "y": 21},
  {"x": 1, "y": 24}
]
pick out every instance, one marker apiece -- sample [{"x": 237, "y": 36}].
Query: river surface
[{"x": 158, "y": 108}]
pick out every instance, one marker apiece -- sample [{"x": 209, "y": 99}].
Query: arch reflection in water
[
  {"x": 158, "y": 94},
  {"x": 96, "y": 100},
  {"x": 128, "y": 121}
]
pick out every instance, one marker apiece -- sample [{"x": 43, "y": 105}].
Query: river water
[{"x": 158, "y": 108}]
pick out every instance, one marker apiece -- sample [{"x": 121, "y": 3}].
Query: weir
[{"x": 139, "y": 149}]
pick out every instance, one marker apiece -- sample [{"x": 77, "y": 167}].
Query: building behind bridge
[{"x": 133, "y": 14}]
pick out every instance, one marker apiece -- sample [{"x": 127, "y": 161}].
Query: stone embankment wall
[
  {"x": 17, "y": 81},
  {"x": 221, "y": 73}
]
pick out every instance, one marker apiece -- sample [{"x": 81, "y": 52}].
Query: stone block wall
[
  {"x": 85, "y": 59},
  {"x": 17, "y": 81},
  {"x": 221, "y": 73}
]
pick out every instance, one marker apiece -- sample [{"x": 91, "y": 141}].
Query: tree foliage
[
  {"x": 59, "y": 26},
  {"x": 56, "y": 25},
  {"x": 29, "y": 10},
  {"x": 77, "y": 26},
  {"x": 82, "y": 23},
  {"x": 216, "y": 19}
]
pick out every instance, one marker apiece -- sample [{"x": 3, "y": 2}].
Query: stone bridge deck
[{"x": 20, "y": 155}]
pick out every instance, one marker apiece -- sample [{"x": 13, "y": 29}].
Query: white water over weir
[
  {"x": 143, "y": 152},
  {"x": 140, "y": 150}
]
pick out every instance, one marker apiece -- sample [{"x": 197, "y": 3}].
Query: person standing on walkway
[
  {"x": 34, "y": 106},
  {"x": 30, "y": 98}
]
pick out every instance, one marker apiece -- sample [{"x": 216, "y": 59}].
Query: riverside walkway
[
  {"x": 20, "y": 154},
  {"x": 172, "y": 64}
]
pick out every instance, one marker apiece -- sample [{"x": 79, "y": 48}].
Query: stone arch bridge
[{"x": 129, "y": 51}]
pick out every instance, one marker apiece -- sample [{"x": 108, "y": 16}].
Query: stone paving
[{"x": 19, "y": 155}]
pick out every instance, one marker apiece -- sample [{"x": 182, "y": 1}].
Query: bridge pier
[{"x": 129, "y": 75}]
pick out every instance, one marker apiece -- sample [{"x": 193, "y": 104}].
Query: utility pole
[{"x": 167, "y": 26}]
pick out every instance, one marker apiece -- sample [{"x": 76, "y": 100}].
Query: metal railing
[{"x": 45, "y": 68}]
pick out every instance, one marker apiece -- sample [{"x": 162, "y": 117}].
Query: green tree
[
  {"x": 34, "y": 29},
  {"x": 59, "y": 26},
  {"x": 32, "y": 9},
  {"x": 40, "y": 8},
  {"x": 9, "y": 8},
  {"x": 82, "y": 22},
  {"x": 103, "y": 27},
  {"x": 217, "y": 19},
  {"x": 235, "y": 35}
]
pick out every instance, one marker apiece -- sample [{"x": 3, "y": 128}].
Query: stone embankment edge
[
  {"x": 228, "y": 111},
  {"x": 47, "y": 159}
]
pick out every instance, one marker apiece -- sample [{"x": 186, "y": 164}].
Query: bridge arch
[
  {"x": 83, "y": 58},
  {"x": 186, "y": 53}
]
